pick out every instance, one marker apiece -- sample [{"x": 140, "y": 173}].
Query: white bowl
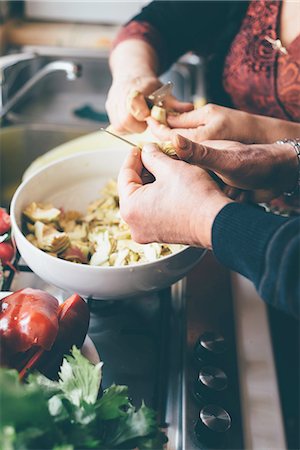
[{"x": 73, "y": 183}]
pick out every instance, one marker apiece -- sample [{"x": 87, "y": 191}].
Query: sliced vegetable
[
  {"x": 4, "y": 221},
  {"x": 73, "y": 324},
  {"x": 50, "y": 239},
  {"x": 7, "y": 254},
  {"x": 167, "y": 148},
  {"x": 100, "y": 238},
  {"x": 28, "y": 325},
  {"x": 44, "y": 213},
  {"x": 160, "y": 114}
]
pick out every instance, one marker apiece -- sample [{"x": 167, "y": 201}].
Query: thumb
[
  {"x": 137, "y": 106},
  {"x": 155, "y": 161},
  {"x": 198, "y": 154}
]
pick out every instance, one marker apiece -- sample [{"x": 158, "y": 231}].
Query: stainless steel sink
[
  {"x": 56, "y": 100},
  {"x": 22, "y": 144}
]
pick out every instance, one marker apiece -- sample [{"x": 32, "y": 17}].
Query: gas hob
[{"x": 184, "y": 352}]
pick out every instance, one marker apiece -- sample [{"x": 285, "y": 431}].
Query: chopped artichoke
[
  {"x": 75, "y": 254},
  {"x": 121, "y": 259},
  {"x": 173, "y": 248},
  {"x": 167, "y": 148},
  {"x": 68, "y": 220},
  {"x": 49, "y": 239},
  {"x": 43, "y": 213},
  {"x": 160, "y": 114},
  {"x": 111, "y": 189},
  {"x": 152, "y": 251},
  {"x": 30, "y": 227},
  {"x": 101, "y": 238},
  {"x": 79, "y": 232},
  {"x": 104, "y": 245},
  {"x": 31, "y": 238}
]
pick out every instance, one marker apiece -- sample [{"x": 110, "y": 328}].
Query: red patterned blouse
[{"x": 258, "y": 77}]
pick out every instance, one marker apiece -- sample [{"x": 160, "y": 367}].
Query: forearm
[
  {"x": 264, "y": 248},
  {"x": 270, "y": 129},
  {"x": 133, "y": 56}
]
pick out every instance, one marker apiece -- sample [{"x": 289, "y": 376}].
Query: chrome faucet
[
  {"x": 11, "y": 60},
  {"x": 72, "y": 71}
]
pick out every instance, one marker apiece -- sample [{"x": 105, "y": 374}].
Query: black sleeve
[
  {"x": 186, "y": 25},
  {"x": 263, "y": 247}
]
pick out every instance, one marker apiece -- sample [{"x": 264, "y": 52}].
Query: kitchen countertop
[{"x": 61, "y": 34}]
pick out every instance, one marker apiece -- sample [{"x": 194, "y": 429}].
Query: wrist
[
  {"x": 258, "y": 130},
  {"x": 290, "y": 161},
  {"x": 133, "y": 56},
  {"x": 203, "y": 222}
]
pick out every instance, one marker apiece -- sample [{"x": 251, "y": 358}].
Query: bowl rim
[{"x": 17, "y": 229}]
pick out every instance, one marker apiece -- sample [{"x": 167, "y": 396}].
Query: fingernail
[
  {"x": 185, "y": 145},
  {"x": 181, "y": 141}
]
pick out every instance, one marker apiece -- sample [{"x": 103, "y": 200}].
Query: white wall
[{"x": 97, "y": 11}]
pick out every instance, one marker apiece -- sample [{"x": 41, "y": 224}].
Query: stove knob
[
  {"x": 210, "y": 383},
  {"x": 212, "y": 426},
  {"x": 210, "y": 345}
]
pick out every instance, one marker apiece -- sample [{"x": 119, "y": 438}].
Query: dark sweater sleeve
[
  {"x": 264, "y": 248},
  {"x": 175, "y": 27}
]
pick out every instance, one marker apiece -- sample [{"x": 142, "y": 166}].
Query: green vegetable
[{"x": 68, "y": 415}]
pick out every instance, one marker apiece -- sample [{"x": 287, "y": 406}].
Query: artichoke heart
[
  {"x": 68, "y": 220},
  {"x": 79, "y": 232},
  {"x": 167, "y": 148},
  {"x": 45, "y": 213},
  {"x": 100, "y": 238},
  {"x": 49, "y": 239},
  {"x": 160, "y": 114},
  {"x": 77, "y": 252}
]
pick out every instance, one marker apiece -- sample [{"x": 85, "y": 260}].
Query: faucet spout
[
  {"x": 11, "y": 60},
  {"x": 72, "y": 71}
]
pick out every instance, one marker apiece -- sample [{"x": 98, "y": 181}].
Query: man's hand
[
  {"x": 178, "y": 207},
  {"x": 266, "y": 171}
]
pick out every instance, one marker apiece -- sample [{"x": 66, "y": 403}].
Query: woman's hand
[
  {"x": 126, "y": 105},
  {"x": 217, "y": 122},
  {"x": 178, "y": 207},
  {"x": 265, "y": 170},
  {"x": 134, "y": 67}
]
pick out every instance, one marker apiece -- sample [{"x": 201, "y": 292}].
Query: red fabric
[
  {"x": 143, "y": 31},
  {"x": 258, "y": 78}
]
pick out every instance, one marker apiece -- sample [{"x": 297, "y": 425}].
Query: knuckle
[{"x": 128, "y": 214}]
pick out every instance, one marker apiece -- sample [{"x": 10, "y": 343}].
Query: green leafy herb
[
  {"x": 79, "y": 379},
  {"x": 68, "y": 414}
]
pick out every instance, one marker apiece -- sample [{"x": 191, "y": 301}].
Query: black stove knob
[
  {"x": 210, "y": 345},
  {"x": 212, "y": 426},
  {"x": 211, "y": 382}
]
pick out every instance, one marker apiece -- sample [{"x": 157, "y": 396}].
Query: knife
[{"x": 157, "y": 97}]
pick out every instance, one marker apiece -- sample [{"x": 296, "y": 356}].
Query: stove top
[{"x": 175, "y": 349}]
